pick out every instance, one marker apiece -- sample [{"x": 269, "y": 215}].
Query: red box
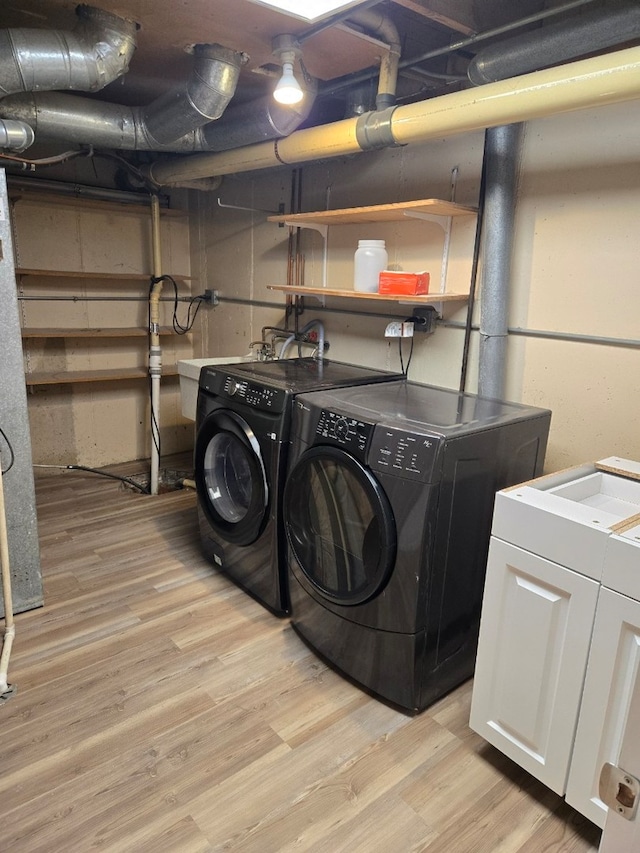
[{"x": 395, "y": 283}]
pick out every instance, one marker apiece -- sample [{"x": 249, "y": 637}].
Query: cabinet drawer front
[{"x": 534, "y": 639}]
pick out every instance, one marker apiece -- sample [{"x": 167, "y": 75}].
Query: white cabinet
[
  {"x": 532, "y": 654},
  {"x": 559, "y": 648}
]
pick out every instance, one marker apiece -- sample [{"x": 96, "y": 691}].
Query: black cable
[
  {"x": 400, "y": 354},
  {"x": 405, "y": 370},
  {"x": 13, "y": 456},
  {"x": 474, "y": 270},
  {"x": 127, "y": 480},
  {"x": 178, "y": 328}
]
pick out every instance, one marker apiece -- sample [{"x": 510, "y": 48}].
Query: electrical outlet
[
  {"x": 210, "y": 297},
  {"x": 397, "y": 329}
]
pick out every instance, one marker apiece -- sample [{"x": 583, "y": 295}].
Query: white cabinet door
[
  {"x": 612, "y": 676},
  {"x": 620, "y": 834},
  {"x": 536, "y": 627}
]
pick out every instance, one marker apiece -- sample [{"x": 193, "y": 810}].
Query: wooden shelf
[
  {"x": 377, "y": 213},
  {"x": 123, "y": 332},
  {"x": 428, "y": 299},
  {"x": 94, "y": 276},
  {"x": 59, "y": 199},
  {"x": 69, "y": 377}
]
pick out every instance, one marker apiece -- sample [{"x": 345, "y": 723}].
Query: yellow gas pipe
[{"x": 592, "y": 82}]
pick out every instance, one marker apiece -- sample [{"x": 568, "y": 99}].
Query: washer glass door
[
  {"x": 230, "y": 477},
  {"x": 339, "y": 525}
]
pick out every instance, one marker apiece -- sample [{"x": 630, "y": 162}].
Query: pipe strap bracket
[{"x": 373, "y": 130}]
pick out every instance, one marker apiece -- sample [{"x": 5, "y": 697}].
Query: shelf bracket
[{"x": 445, "y": 223}]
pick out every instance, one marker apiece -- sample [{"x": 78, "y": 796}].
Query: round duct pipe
[
  {"x": 580, "y": 35},
  {"x": 87, "y": 58}
]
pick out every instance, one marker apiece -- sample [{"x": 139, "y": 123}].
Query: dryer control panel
[
  {"x": 405, "y": 454},
  {"x": 350, "y": 433}
]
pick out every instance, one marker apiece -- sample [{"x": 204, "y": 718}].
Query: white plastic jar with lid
[{"x": 368, "y": 262}]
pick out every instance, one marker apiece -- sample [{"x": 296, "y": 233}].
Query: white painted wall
[{"x": 575, "y": 267}]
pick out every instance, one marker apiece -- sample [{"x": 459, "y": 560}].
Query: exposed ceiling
[
  {"x": 168, "y": 28},
  {"x": 438, "y": 43}
]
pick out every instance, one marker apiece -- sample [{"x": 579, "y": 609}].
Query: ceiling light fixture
[
  {"x": 314, "y": 10},
  {"x": 287, "y": 90}
]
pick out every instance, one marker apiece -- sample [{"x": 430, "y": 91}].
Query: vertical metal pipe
[
  {"x": 503, "y": 152},
  {"x": 155, "y": 353}
]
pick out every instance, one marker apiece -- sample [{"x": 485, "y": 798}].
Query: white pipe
[
  {"x": 9, "y": 630},
  {"x": 592, "y": 82},
  {"x": 155, "y": 352}
]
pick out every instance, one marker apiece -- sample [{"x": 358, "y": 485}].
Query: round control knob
[
  {"x": 341, "y": 428},
  {"x": 234, "y": 387}
]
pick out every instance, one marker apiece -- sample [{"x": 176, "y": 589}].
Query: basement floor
[{"x": 160, "y": 708}]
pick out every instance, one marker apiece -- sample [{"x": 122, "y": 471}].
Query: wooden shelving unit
[
  {"x": 377, "y": 213},
  {"x": 427, "y": 299},
  {"x": 69, "y": 377},
  {"x": 55, "y": 275},
  {"x": 430, "y": 209},
  {"x": 56, "y": 278}
]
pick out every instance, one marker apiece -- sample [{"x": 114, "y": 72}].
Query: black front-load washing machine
[
  {"x": 387, "y": 512},
  {"x": 242, "y": 438}
]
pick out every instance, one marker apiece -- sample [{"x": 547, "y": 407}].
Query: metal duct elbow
[
  {"x": 259, "y": 121},
  {"x": 94, "y": 54},
  {"x": 203, "y": 98},
  {"x": 555, "y": 44}
]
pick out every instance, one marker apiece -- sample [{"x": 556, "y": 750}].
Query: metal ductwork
[
  {"x": 204, "y": 98},
  {"x": 578, "y": 36},
  {"x": 170, "y": 123},
  {"x": 15, "y": 135},
  {"x": 259, "y": 120},
  {"x": 87, "y": 59}
]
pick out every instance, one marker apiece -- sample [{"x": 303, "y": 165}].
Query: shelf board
[
  {"x": 58, "y": 199},
  {"x": 427, "y": 299},
  {"x": 123, "y": 332},
  {"x": 377, "y": 213},
  {"x": 68, "y": 377},
  {"x": 97, "y": 276}
]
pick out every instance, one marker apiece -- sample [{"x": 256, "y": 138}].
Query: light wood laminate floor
[{"x": 159, "y": 708}]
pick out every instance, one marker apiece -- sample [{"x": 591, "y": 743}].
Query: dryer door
[
  {"x": 339, "y": 525},
  {"x": 230, "y": 477}
]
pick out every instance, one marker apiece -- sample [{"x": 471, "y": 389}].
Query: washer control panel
[
  {"x": 350, "y": 433},
  {"x": 237, "y": 388},
  {"x": 405, "y": 454}
]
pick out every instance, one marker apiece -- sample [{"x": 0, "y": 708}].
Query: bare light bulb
[{"x": 287, "y": 90}]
